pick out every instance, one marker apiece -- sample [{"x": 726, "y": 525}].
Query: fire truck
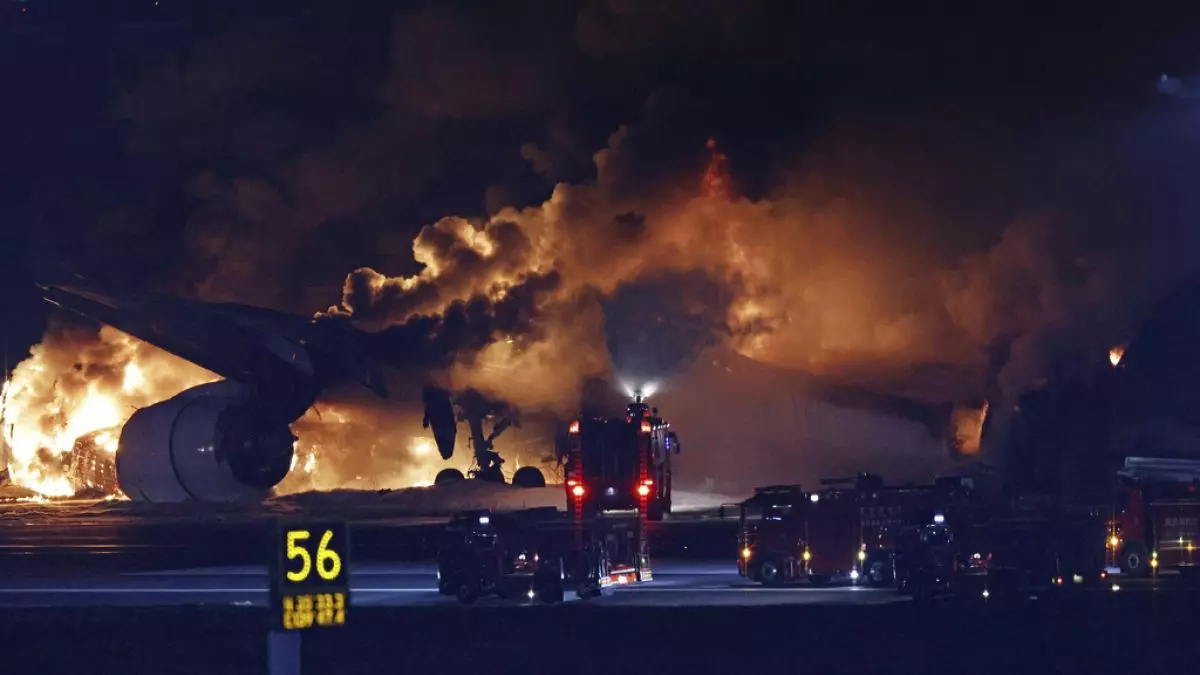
[
  {"x": 839, "y": 532},
  {"x": 539, "y": 554},
  {"x": 1156, "y": 519},
  {"x": 620, "y": 463}
]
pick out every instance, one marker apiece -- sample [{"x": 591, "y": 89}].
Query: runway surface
[
  {"x": 676, "y": 583},
  {"x": 386, "y": 585}
]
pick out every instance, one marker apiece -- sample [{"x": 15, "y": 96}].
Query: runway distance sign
[{"x": 310, "y": 575}]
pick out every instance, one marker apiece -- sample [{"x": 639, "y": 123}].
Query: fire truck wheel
[
  {"x": 529, "y": 477},
  {"x": 446, "y": 476},
  {"x": 771, "y": 572},
  {"x": 467, "y": 593},
  {"x": 1134, "y": 560},
  {"x": 550, "y": 593},
  {"x": 879, "y": 572}
]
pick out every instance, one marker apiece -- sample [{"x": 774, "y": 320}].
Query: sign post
[{"x": 309, "y": 587}]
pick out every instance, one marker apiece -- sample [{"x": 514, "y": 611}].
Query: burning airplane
[{"x": 222, "y": 440}]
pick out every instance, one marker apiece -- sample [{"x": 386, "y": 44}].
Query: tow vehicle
[{"x": 620, "y": 463}]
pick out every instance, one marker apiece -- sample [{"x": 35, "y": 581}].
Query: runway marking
[
  {"x": 640, "y": 589},
  {"x": 195, "y": 590}
]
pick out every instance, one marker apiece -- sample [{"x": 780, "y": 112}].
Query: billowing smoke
[{"x": 882, "y": 253}]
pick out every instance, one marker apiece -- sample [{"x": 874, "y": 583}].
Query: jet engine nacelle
[{"x": 205, "y": 444}]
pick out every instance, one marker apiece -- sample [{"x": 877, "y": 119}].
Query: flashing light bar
[
  {"x": 577, "y": 490},
  {"x": 574, "y": 428}
]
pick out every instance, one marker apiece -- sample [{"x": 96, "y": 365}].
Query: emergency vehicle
[
  {"x": 839, "y": 532},
  {"x": 539, "y": 554},
  {"x": 622, "y": 463},
  {"x": 1011, "y": 556},
  {"x": 1156, "y": 520}
]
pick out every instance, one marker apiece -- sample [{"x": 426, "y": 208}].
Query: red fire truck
[
  {"x": 839, "y": 532},
  {"x": 1156, "y": 524},
  {"x": 622, "y": 463}
]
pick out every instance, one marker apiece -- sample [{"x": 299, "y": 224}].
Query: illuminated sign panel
[{"x": 310, "y": 575}]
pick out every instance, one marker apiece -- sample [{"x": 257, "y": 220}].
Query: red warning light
[
  {"x": 646, "y": 426},
  {"x": 574, "y": 428}
]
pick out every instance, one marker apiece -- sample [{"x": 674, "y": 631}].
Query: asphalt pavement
[
  {"x": 405, "y": 584},
  {"x": 676, "y": 583}
]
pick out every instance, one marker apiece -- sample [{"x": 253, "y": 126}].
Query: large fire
[
  {"x": 70, "y": 398},
  {"x": 63, "y": 408}
]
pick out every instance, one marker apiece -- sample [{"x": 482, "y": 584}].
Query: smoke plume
[{"x": 653, "y": 229}]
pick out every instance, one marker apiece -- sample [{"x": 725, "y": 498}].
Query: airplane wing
[{"x": 208, "y": 335}]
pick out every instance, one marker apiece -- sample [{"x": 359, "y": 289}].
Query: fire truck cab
[
  {"x": 1156, "y": 524},
  {"x": 622, "y": 463},
  {"x": 840, "y": 532}
]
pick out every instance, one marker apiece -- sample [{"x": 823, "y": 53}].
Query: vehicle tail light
[
  {"x": 574, "y": 428},
  {"x": 646, "y": 426}
]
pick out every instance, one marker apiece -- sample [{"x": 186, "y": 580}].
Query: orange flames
[
  {"x": 967, "y": 427},
  {"x": 1115, "y": 355},
  {"x": 64, "y": 406}
]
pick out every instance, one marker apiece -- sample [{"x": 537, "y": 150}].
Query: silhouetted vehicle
[
  {"x": 539, "y": 553},
  {"x": 1030, "y": 555},
  {"x": 838, "y": 533},
  {"x": 925, "y": 559}
]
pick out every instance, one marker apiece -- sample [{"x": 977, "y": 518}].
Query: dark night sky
[{"x": 425, "y": 113}]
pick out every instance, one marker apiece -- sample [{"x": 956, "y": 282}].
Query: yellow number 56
[{"x": 329, "y": 563}]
